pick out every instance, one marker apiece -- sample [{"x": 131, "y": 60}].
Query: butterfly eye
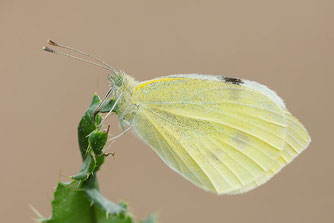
[{"x": 118, "y": 80}]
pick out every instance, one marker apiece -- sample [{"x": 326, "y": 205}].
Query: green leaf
[
  {"x": 91, "y": 141},
  {"x": 88, "y": 124},
  {"x": 94, "y": 195},
  {"x": 112, "y": 219},
  {"x": 99, "y": 162},
  {"x": 97, "y": 139},
  {"x": 71, "y": 205},
  {"x": 87, "y": 168},
  {"x": 107, "y": 106}
]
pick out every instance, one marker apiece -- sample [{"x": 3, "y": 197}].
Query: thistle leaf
[{"x": 81, "y": 200}]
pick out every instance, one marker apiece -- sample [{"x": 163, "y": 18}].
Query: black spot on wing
[{"x": 233, "y": 80}]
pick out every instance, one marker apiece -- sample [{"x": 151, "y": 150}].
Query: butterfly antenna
[
  {"x": 47, "y": 49},
  {"x": 53, "y": 43}
]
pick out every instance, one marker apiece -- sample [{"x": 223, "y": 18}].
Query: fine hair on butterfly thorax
[{"x": 119, "y": 88}]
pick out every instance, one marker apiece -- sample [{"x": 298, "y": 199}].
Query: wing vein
[
  {"x": 216, "y": 121},
  {"x": 164, "y": 137}
]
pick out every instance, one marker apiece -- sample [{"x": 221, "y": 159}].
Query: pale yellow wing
[{"x": 225, "y": 135}]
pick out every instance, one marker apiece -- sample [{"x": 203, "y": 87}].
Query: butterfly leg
[
  {"x": 113, "y": 139},
  {"x": 103, "y": 101},
  {"x": 111, "y": 110}
]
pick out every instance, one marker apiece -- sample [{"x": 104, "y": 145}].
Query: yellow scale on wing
[{"x": 225, "y": 137}]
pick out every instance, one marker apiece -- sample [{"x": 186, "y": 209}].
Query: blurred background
[{"x": 286, "y": 45}]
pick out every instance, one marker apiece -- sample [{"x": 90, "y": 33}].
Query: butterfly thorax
[{"x": 127, "y": 109}]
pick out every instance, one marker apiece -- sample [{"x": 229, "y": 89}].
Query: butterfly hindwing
[{"x": 224, "y": 134}]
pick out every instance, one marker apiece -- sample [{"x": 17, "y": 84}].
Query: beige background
[{"x": 287, "y": 45}]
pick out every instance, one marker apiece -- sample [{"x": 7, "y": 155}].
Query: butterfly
[{"x": 224, "y": 134}]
